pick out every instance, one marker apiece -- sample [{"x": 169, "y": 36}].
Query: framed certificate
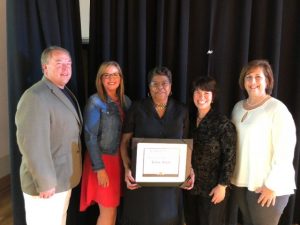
[{"x": 161, "y": 162}]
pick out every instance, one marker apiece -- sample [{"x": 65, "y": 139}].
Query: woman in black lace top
[{"x": 213, "y": 157}]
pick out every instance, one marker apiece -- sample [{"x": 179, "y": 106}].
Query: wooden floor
[{"x": 5, "y": 202}]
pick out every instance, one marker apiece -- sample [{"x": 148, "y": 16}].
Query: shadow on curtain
[
  {"x": 198, "y": 37},
  {"x": 31, "y": 27}
]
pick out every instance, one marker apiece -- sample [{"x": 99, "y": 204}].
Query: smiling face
[
  {"x": 58, "y": 68},
  {"x": 255, "y": 82},
  {"x": 160, "y": 88},
  {"x": 111, "y": 79},
  {"x": 202, "y": 99}
]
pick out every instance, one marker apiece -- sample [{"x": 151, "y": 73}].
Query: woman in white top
[{"x": 264, "y": 175}]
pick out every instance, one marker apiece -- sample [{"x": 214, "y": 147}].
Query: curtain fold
[{"x": 31, "y": 27}]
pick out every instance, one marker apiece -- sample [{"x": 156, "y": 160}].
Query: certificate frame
[{"x": 161, "y": 162}]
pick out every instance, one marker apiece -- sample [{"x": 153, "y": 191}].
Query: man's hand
[{"x": 47, "y": 194}]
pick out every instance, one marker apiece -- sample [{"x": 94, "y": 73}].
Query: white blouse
[{"x": 265, "y": 147}]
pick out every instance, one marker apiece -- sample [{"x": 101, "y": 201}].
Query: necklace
[
  {"x": 199, "y": 119},
  {"x": 258, "y": 103},
  {"x": 244, "y": 116},
  {"x": 160, "y": 106},
  {"x": 252, "y": 106}
]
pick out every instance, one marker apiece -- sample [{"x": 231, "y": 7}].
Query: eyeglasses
[
  {"x": 257, "y": 78},
  {"x": 110, "y": 75},
  {"x": 158, "y": 84}
]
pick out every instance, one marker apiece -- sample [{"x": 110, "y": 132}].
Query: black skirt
[{"x": 153, "y": 206}]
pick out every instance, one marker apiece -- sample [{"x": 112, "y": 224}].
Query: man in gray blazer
[{"x": 49, "y": 124}]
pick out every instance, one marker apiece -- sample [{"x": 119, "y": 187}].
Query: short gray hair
[{"x": 47, "y": 53}]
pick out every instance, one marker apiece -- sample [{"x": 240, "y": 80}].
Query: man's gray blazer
[{"x": 48, "y": 136}]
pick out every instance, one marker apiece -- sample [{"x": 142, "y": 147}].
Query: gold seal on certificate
[{"x": 161, "y": 162}]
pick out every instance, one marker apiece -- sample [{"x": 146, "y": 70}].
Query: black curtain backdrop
[
  {"x": 191, "y": 37},
  {"x": 199, "y": 37},
  {"x": 33, "y": 25}
]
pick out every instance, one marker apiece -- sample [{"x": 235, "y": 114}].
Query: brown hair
[
  {"x": 99, "y": 85},
  {"x": 267, "y": 70}
]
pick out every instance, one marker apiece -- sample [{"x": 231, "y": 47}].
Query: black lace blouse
[{"x": 214, "y": 152}]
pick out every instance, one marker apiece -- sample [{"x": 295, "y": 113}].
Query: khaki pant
[{"x": 50, "y": 211}]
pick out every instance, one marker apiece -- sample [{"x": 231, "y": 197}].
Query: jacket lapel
[
  {"x": 77, "y": 104},
  {"x": 62, "y": 97}
]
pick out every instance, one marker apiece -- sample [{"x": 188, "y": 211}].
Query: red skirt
[{"x": 91, "y": 192}]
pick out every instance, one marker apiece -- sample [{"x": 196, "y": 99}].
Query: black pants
[{"x": 200, "y": 210}]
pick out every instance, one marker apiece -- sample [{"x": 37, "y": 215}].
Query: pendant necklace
[
  {"x": 244, "y": 116},
  {"x": 160, "y": 106},
  {"x": 199, "y": 119},
  {"x": 253, "y": 106}
]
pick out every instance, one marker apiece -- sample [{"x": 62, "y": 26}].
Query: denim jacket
[{"x": 102, "y": 128}]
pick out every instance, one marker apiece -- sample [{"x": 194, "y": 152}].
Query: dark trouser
[
  {"x": 232, "y": 211},
  {"x": 199, "y": 210},
  {"x": 253, "y": 213}
]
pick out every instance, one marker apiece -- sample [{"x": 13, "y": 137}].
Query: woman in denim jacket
[{"x": 104, "y": 113}]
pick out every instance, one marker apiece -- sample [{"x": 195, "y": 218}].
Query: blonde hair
[{"x": 99, "y": 85}]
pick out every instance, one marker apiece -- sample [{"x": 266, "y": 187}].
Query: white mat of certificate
[{"x": 161, "y": 162}]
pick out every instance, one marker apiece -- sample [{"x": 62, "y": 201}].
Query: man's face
[{"x": 58, "y": 69}]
